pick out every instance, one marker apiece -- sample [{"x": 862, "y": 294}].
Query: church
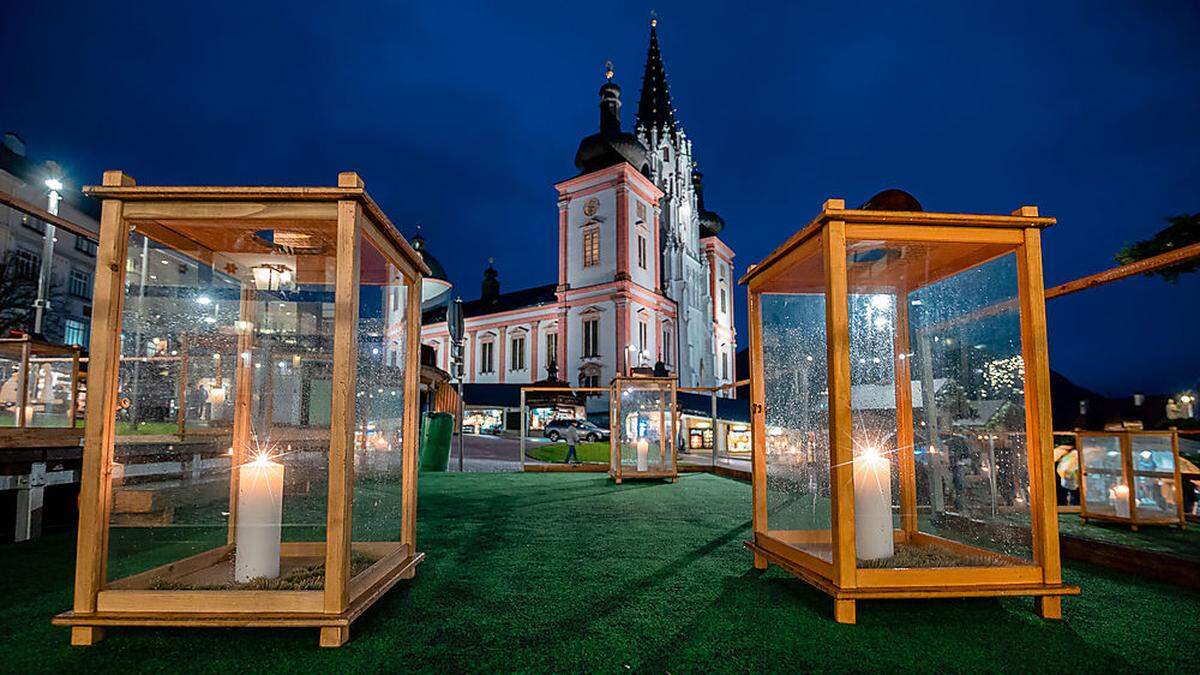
[{"x": 644, "y": 279}]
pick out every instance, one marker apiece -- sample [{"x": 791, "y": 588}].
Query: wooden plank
[
  {"x": 1181, "y": 254},
  {"x": 1038, "y": 422},
  {"x": 905, "y": 442},
  {"x": 412, "y": 422},
  {"x": 23, "y": 394},
  {"x": 108, "y": 300},
  {"x": 363, "y": 581},
  {"x": 182, "y": 243},
  {"x": 1178, "y": 479},
  {"x": 141, "y": 212},
  {"x": 219, "y": 602},
  {"x": 1130, "y": 480},
  {"x": 935, "y": 234},
  {"x": 174, "y": 569},
  {"x": 841, "y": 432},
  {"x": 758, "y": 428},
  {"x": 798, "y": 557},
  {"x": 946, "y": 577},
  {"x": 342, "y": 403}
]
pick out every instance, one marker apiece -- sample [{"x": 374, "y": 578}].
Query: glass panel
[
  {"x": 796, "y": 402},
  {"x": 1104, "y": 489},
  {"x": 872, "y": 321},
  {"x": 235, "y": 341},
  {"x": 644, "y": 426},
  {"x": 11, "y": 379},
  {"x": 50, "y": 388},
  {"x": 1154, "y": 476},
  {"x": 378, "y": 433},
  {"x": 967, "y": 389}
]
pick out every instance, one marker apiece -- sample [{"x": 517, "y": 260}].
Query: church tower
[{"x": 695, "y": 263}]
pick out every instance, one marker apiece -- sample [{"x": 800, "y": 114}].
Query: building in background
[
  {"x": 23, "y": 217},
  {"x": 643, "y": 277}
]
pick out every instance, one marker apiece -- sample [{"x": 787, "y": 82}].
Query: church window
[
  {"x": 642, "y": 340},
  {"x": 551, "y": 348},
  {"x": 723, "y": 301},
  {"x": 666, "y": 346},
  {"x": 591, "y": 338},
  {"x": 641, "y": 211},
  {"x": 486, "y": 352},
  {"x": 667, "y": 154},
  {"x": 591, "y": 248},
  {"x": 724, "y": 365},
  {"x": 586, "y": 380},
  {"x": 517, "y": 362},
  {"x": 641, "y": 250}
]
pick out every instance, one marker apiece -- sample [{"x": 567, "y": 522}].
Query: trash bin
[{"x": 436, "y": 430}]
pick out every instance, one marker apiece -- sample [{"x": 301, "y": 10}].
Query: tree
[
  {"x": 1183, "y": 230},
  {"x": 17, "y": 294}
]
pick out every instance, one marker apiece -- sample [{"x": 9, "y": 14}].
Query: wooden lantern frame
[
  {"x": 1127, "y": 475},
  {"x": 667, "y": 388},
  {"x": 22, "y": 434},
  {"x": 825, "y": 238},
  {"x": 180, "y": 217}
]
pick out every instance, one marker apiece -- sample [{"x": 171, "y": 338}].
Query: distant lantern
[
  {"x": 39, "y": 393},
  {"x": 644, "y": 420},
  {"x": 888, "y": 459},
  {"x": 273, "y": 514},
  {"x": 1131, "y": 477}
]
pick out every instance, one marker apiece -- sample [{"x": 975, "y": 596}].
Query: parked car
[{"x": 587, "y": 431}]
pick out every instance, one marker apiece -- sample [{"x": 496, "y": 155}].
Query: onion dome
[
  {"x": 610, "y": 146},
  {"x": 435, "y": 287},
  {"x": 892, "y": 199},
  {"x": 710, "y": 223}
]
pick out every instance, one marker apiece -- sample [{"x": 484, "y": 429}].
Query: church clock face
[{"x": 591, "y": 206}]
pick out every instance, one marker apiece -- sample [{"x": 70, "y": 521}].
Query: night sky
[{"x": 463, "y": 117}]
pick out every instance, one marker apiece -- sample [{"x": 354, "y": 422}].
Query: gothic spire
[{"x": 654, "y": 106}]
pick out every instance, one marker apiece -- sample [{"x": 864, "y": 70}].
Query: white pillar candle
[
  {"x": 873, "y": 505},
  {"x": 1120, "y": 497},
  {"x": 259, "y": 519},
  {"x": 643, "y": 455}
]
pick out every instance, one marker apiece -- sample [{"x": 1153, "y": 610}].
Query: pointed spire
[{"x": 654, "y": 106}]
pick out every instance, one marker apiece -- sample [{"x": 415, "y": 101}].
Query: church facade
[{"x": 644, "y": 279}]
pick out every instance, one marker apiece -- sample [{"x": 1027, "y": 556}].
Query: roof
[
  {"x": 436, "y": 271},
  {"x": 536, "y": 296},
  {"x": 654, "y": 105}
]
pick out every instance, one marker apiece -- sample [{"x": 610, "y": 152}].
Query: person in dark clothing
[{"x": 572, "y": 436}]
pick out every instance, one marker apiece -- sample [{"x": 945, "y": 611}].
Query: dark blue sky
[{"x": 462, "y": 116}]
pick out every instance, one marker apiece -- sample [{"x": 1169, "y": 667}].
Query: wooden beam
[
  {"x": 412, "y": 408},
  {"x": 338, "y": 527},
  {"x": 758, "y": 426},
  {"x": 902, "y": 374},
  {"x": 243, "y": 392},
  {"x": 95, "y": 494},
  {"x": 841, "y": 433},
  {"x": 1151, "y": 264},
  {"x": 25, "y": 207}
]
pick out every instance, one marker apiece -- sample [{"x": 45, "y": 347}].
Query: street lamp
[{"x": 42, "y": 303}]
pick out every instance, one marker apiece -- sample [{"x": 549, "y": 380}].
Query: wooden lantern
[
  {"x": 39, "y": 393},
  {"x": 292, "y": 312},
  {"x": 883, "y": 345},
  {"x": 644, "y": 423},
  {"x": 1130, "y": 477}
]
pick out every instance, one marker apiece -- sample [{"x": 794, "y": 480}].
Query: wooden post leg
[
  {"x": 334, "y": 636},
  {"x": 86, "y": 636},
  {"x": 843, "y": 611},
  {"x": 1048, "y": 606},
  {"x": 760, "y": 562}
]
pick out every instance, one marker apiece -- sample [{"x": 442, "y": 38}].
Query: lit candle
[
  {"x": 259, "y": 519},
  {"x": 1120, "y": 497},
  {"x": 643, "y": 455},
  {"x": 873, "y": 505}
]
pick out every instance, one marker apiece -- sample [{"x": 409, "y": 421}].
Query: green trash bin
[{"x": 436, "y": 431}]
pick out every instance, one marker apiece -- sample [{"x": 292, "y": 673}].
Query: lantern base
[
  {"x": 130, "y": 602},
  {"x": 651, "y": 474},
  {"x": 1048, "y": 596}
]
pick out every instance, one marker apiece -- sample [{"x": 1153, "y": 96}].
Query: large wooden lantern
[
  {"x": 644, "y": 423},
  {"x": 1131, "y": 477},
  {"x": 39, "y": 392},
  {"x": 297, "y": 313},
  {"x": 901, "y": 408}
]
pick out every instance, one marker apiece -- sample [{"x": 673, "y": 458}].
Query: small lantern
[
  {"x": 264, "y": 517},
  {"x": 1131, "y": 477},
  {"x": 644, "y": 421},
  {"x": 900, "y": 407},
  {"x": 39, "y": 393}
]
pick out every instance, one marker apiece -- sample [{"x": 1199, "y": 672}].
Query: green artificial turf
[
  {"x": 597, "y": 453},
  {"x": 1161, "y": 538},
  {"x": 569, "y": 572}
]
